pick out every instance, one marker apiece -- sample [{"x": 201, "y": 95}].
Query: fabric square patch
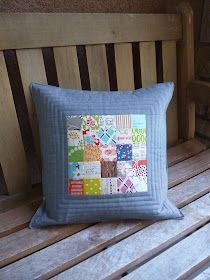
[
  {"x": 124, "y": 152},
  {"x": 92, "y": 169},
  {"x": 108, "y": 169},
  {"x": 140, "y": 169},
  {"x": 125, "y": 185},
  {"x": 75, "y": 153},
  {"x": 91, "y": 137},
  {"x": 108, "y": 152},
  {"x": 123, "y": 121},
  {"x": 124, "y": 136},
  {"x": 92, "y": 186},
  {"x": 139, "y": 135},
  {"x": 109, "y": 186},
  {"x": 75, "y": 138},
  {"x": 92, "y": 153},
  {"x": 107, "y": 136},
  {"x": 138, "y": 151},
  {"x": 76, "y": 170},
  {"x": 74, "y": 122},
  {"x": 140, "y": 184},
  {"x": 76, "y": 187},
  {"x": 138, "y": 121},
  {"x": 124, "y": 169},
  {"x": 107, "y": 121},
  {"x": 90, "y": 122}
]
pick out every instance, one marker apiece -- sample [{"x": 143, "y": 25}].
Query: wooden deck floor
[{"x": 171, "y": 249}]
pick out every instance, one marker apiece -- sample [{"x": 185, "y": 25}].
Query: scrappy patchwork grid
[{"x": 106, "y": 154}]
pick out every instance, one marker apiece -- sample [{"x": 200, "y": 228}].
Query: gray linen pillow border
[{"x": 53, "y": 105}]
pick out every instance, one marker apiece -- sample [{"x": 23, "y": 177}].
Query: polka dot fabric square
[{"x": 106, "y": 154}]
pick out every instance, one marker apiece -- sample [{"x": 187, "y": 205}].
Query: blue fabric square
[
  {"x": 124, "y": 152},
  {"x": 107, "y": 136}
]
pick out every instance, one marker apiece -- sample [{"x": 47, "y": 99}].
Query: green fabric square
[
  {"x": 139, "y": 135},
  {"x": 76, "y": 154}
]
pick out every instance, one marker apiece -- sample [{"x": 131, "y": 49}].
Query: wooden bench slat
[
  {"x": 12, "y": 154},
  {"x": 90, "y": 241},
  {"x": 148, "y": 63},
  {"x": 67, "y": 67},
  {"x": 184, "y": 150},
  {"x": 190, "y": 253},
  {"x": 169, "y": 75},
  {"x": 175, "y": 155},
  {"x": 32, "y": 69},
  {"x": 97, "y": 67},
  {"x": 36, "y": 30},
  {"x": 124, "y": 66},
  {"x": 189, "y": 168},
  {"x": 117, "y": 259}
]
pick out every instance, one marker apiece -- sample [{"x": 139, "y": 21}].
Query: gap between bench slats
[
  {"x": 190, "y": 253},
  {"x": 119, "y": 257},
  {"x": 175, "y": 155},
  {"x": 181, "y": 195}
]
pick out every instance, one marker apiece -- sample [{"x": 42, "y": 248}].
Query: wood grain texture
[
  {"x": 199, "y": 91},
  {"x": 189, "y": 168},
  {"x": 20, "y": 220},
  {"x": 185, "y": 150},
  {"x": 90, "y": 241},
  {"x": 190, "y": 253},
  {"x": 169, "y": 75},
  {"x": 32, "y": 69},
  {"x": 35, "y": 30},
  {"x": 12, "y": 155},
  {"x": 67, "y": 67},
  {"x": 185, "y": 65},
  {"x": 97, "y": 66},
  {"x": 124, "y": 66},
  {"x": 148, "y": 63},
  {"x": 137, "y": 248}
]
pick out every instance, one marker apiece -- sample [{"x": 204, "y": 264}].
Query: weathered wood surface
[
  {"x": 140, "y": 246},
  {"x": 36, "y": 30},
  {"x": 199, "y": 91},
  {"x": 189, "y": 168},
  {"x": 190, "y": 253},
  {"x": 185, "y": 150},
  {"x": 124, "y": 66},
  {"x": 89, "y": 241},
  {"x": 12, "y": 154},
  {"x": 32, "y": 69},
  {"x": 205, "y": 275},
  {"x": 67, "y": 67},
  {"x": 148, "y": 63},
  {"x": 97, "y": 66}
]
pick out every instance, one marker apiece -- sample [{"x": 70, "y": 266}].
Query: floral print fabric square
[{"x": 106, "y": 154}]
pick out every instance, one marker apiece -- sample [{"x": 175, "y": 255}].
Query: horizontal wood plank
[
  {"x": 137, "y": 248},
  {"x": 200, "y": 92},
  {"x": 190, "y": 253},
  {"x": 189, "y": 168},
  {"x": 175, "y": 154},
  {"x": 35, "y": 30},
  {"x": 184, "y": 150},
  {"x": 90, "y": 241}
]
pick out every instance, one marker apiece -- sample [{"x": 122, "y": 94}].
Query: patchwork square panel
[{"x": 107, "y": 154}]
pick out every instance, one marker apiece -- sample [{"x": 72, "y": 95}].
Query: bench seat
[{"x": 133, "y": 250}]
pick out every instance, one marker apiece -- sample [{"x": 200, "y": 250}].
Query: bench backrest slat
[
  {"x": 13, "y": 158},
  {"x": 28, "y": 33}
]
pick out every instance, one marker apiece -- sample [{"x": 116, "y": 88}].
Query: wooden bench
[{"x": 120, "y": 51}]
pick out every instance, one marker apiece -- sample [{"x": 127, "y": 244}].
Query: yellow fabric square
[{"x": 92, "y": 186}]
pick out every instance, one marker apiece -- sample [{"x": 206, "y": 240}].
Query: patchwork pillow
[{"x": 103, "y": 154}]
